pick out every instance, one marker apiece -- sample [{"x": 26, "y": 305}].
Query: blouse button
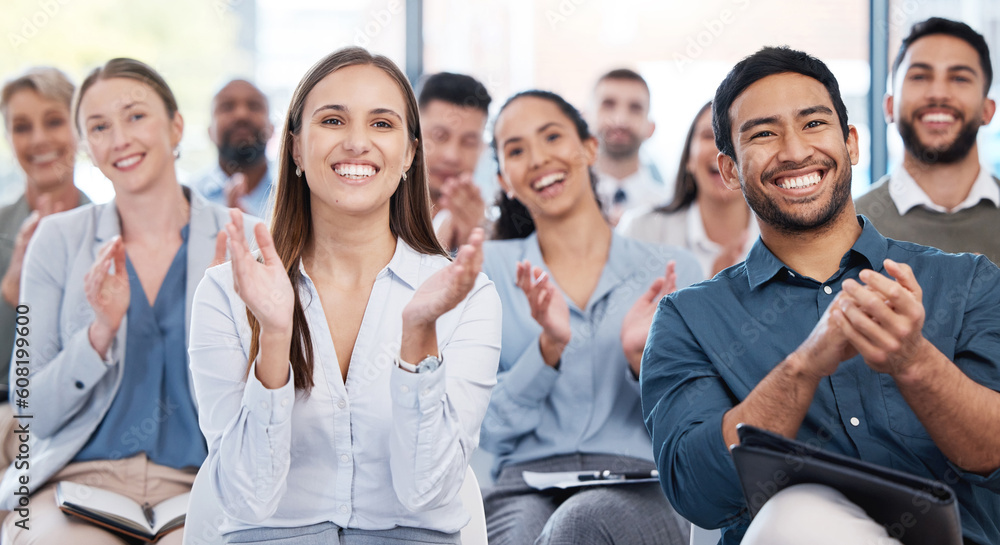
[
  {"x": 827, "y": 290},
  {"x": 343, "y": 508},
  {"x": 855, "y": 422},
  {"x": 341, "y": 404},
  {"x": 404, "y": 388}
]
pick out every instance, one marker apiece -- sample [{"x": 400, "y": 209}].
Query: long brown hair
[
  {"x": 685, "y": 186},
  {"x": 291, "y": 224}
]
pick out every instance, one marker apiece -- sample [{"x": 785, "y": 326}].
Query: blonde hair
[{"x": 50, "y": 83}]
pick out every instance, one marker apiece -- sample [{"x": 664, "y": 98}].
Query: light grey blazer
[{"x": 70, "y": 387}]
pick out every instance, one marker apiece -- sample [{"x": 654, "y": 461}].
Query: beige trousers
[
  {"x": 817, "y": 515},
  {"x": 136, "y": 478}
]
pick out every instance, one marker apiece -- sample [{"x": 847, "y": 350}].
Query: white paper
[{"x": 570, "y": 479}]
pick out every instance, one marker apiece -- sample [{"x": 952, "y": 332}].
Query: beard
[
  {"x": 951, "y": 153},
  {"x": 622, "y": 149},
  {"x": 772, "y": 214},
  {"x": 243, "y": 153}
]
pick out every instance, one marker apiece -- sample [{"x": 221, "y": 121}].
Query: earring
[
  {"x": 404, "y": 176},
  {"x": 298, "y": 171},
  {"x": 510, "y": 195},
  {"x": 177, "y": 153}
]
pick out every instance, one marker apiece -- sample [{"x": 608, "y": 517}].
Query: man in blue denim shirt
[{"x": 829, "y": 332}]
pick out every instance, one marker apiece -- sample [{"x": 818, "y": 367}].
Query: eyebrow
[
  {"x": 125, "y": 107},
  {"x": 954, "y": 68},
  {"x": 345, "y": 109},
  {"x": 818, "y": 109},
  {"x": 519, "y": 138}
]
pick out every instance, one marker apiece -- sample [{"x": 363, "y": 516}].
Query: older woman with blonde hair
[{"x": 36, "y": 113}]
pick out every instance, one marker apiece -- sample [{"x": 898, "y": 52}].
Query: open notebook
[{"x": 120, "y": 514}]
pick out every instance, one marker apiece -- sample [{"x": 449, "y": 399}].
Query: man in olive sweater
[{"x": 941, "y": 196}]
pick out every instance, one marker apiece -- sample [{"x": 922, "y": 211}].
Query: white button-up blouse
[{"x": 387, "y": 448}]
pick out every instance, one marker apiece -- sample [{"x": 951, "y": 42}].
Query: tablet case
[{"x": 914, "y": 510}]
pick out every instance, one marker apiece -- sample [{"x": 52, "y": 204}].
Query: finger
[
  {"x": 266, "y": 245},
  {"x": 900, "y": 299},
  {"x": 653, "y": 293},
  {"x": 874, "y": 304},
  {"x": 670, "y": 285},
  {"x": 220, "y": 248},
  {"x": 903, "y": 274},
  {"x": 118, "y": 254},
  {"x": 860, "y": 342},
  {"x": 878, "y": 342}
]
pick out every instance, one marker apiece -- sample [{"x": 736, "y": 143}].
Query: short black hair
[
  {"x": 769, "y": 61},
  {"x": 457, "y": 89},
  {"x": 624, "y": 74},
  {"x": 962, "y": 31}
]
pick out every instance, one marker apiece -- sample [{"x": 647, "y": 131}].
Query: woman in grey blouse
[
  {"x": 704, "y": 215},
  {"x": 577, "y": 303}
]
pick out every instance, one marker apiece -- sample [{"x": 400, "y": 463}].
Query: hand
[
  {"x": 731, "y": 254},
  {"x": 264, "y": 287},
  {"x": 108, "y": 294},
  {"x": 635, "y": 325},
  {"x": 234, "y": 191},
  {"x": 826, "y": 346},
  {"x": 461, "y": 197},
  {"x": 10, "y": 286},
  {"x": 448, "y": 287},
  {"x": 884, "y": 319},
  {"x": 548, "y": 308}
]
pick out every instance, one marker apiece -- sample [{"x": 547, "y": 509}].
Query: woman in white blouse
[
  {"x": 704, "y": 215},
  {"x": 343, "y": 375}
]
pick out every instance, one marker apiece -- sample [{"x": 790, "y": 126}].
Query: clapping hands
[
  {"x": 548, "y": 308},
  {"x": 635, "y": 326}
]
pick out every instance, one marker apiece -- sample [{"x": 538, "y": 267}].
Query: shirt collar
[
  {"x": 906, "y": 194},
  {"x": 619, "y": 266},
  {"x": 696, "y": 235},
  {"x": 762, "y": 265}
]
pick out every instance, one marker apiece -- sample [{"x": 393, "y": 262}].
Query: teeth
[
  {"x": 548, "y": 180},
  {"x": 45, "y": 157},
  {"x": 938, "y": 118},
  {"x": 349, "y": 170},
  {"x": 812, "y": 178},
  {"x": 125, "y": 163}
]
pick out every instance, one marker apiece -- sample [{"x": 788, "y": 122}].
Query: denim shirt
[{"x": 712, "y": 344}]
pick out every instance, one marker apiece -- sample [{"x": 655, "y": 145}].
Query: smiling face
[
  {"x": 354, "y": 144},
  {"x": 41, "y": 135},
  {"x": 543, "y": 162},
  {"x": 453, "y": 141},
  {"x": 703, "y": 162},
  {"x": 938, "y": 100},
  {"x": 791, "y": 158},
  {"x": 622, "y": 117},
  {"x": 129, "y": 134}
]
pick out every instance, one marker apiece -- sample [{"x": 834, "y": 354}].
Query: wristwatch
[{"x": 428, "y": 364}]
